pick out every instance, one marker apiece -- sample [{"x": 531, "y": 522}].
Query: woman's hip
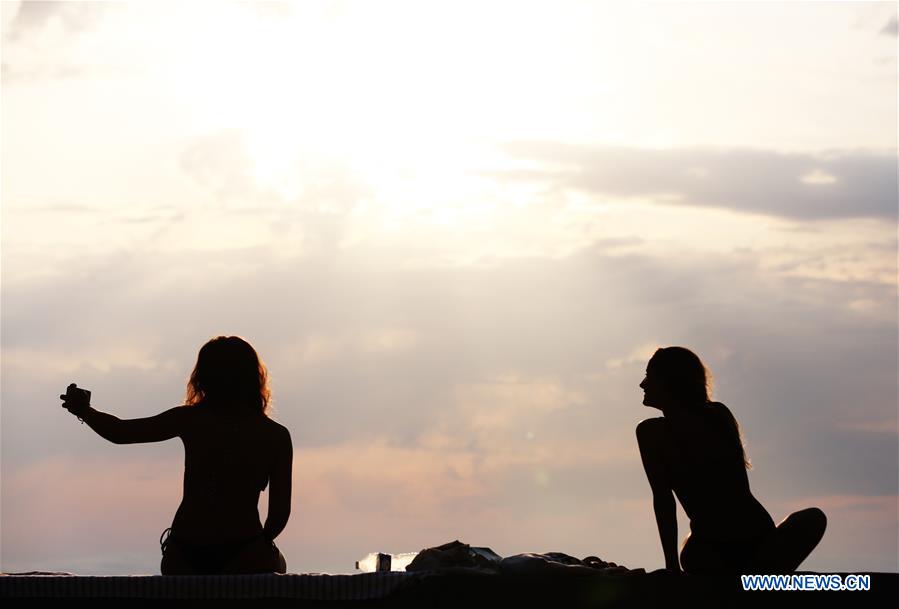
[{"x": 255, "y": 555}]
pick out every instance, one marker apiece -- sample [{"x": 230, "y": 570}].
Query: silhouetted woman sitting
[
  {"x": 695, "y": 451},
  {"x": 232, "y": 449}
]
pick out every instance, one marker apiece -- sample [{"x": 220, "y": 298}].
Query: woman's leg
[{"x": 792, "y": 541}]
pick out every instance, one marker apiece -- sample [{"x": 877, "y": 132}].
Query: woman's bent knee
[
  {"x": 812, "y": 522},
  {"x": 817, "y": 518}
]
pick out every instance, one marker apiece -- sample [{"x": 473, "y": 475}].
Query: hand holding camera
[{"x": 76, "y": 400}]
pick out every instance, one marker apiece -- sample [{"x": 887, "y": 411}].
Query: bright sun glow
[{"x": 409, "y": 114}]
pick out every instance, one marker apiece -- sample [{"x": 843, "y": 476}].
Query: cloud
[
  {"x": 221, "y": 163},
  {"x": 489, "y": 387},
  {"x": 891, "y": 27},
  {"x": 408, "y": 338},
  {"x": 73, "y": 17},
  {"x": 800, "y": 186},
  {"x": 62, "y": 40},
  {"x": 885, "y": 426},
  {"x": 314, "y": 215}
]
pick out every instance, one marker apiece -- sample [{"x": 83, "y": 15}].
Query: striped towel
[{"x": 309, "y": 586}]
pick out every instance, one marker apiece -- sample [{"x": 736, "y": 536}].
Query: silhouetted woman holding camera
[
  {"x": 695, "y": 452},
  {"x": 232, "y": 450}
]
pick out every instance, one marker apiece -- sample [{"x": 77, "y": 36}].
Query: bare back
[
  {"x": 708, "y": 475},
  {"x": 229, "y": 458}
]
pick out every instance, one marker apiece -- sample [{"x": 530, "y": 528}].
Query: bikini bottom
[{"x": 206, "y": 559}]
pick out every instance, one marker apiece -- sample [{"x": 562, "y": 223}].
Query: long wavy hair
[
  {"x": 685, "y": 377},
  {"x": 229, "y": 371},
  {"x": 689, "y": 383}
]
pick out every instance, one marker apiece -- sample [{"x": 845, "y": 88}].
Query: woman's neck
[
  {"x": 679, "y": 410},
  {"x": 229, "y": 409}
]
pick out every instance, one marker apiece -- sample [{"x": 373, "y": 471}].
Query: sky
[{"x": 455, "y": 233}]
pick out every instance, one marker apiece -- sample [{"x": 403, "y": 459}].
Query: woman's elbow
[{"x": 281, "y": 512}]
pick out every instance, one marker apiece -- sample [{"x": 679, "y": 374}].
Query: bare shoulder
[
  {"x": 721, "y": 410},
  {"x": 278, "y": 431},
  {"x": 649, "y": 429},
  {"x": 182, "y": 414}
]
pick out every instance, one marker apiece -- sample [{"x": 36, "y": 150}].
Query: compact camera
[{"x": 76, "y": 398}]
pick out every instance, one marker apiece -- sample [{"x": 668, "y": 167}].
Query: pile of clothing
[{"x": 456, "y": 554}]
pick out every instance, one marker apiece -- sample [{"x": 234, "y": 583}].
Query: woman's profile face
[{"x": 652, "y": 390}]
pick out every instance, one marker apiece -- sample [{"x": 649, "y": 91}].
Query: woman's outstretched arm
[
  {"x": 650, "y": 438},
  {"x": 279, "y": 489},
  {"x": 164, "y": 426}
]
